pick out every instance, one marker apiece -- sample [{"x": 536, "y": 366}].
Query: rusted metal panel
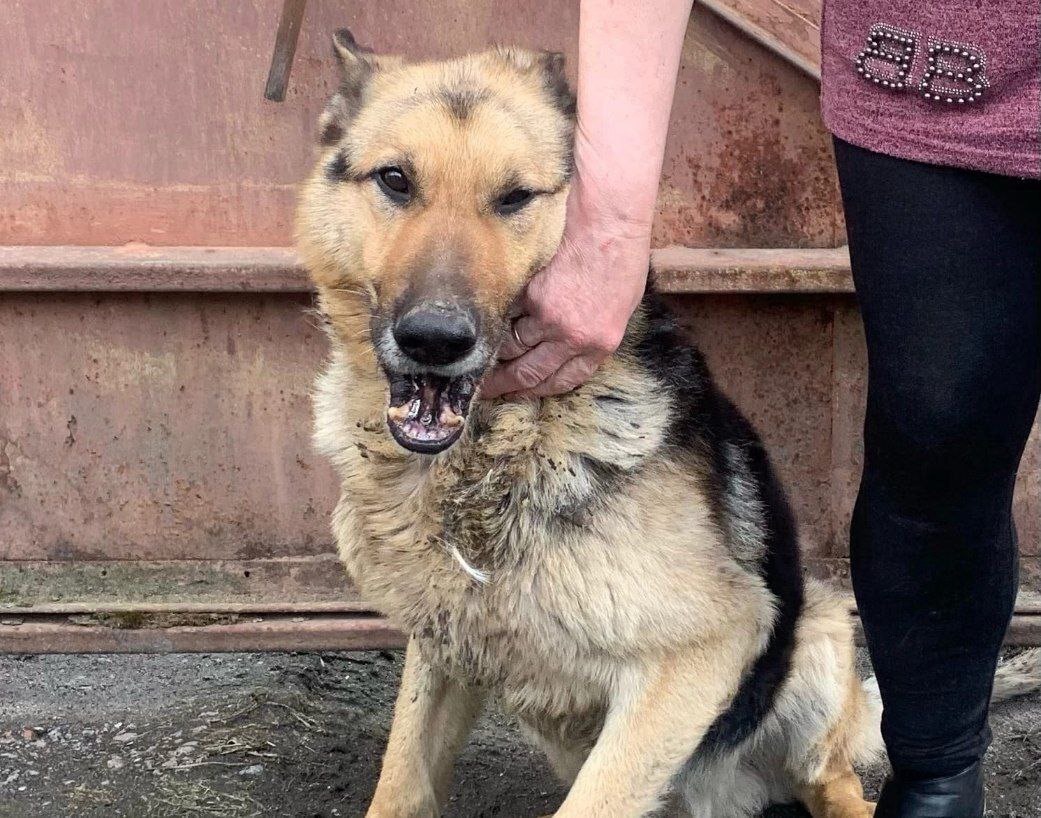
[
  {"x": 174, "y": 143},
  {"x": 143, "y": 268},
  {"x": 749, "y": 163},
  {"x": 160, "y": 437},
  {"x": 797, "y": 366},
  {"x": 176, "y": 427},
  {"x": 791, "y": 29},
  {"x": 152, "y": 427},
  {"x": 772, "y": 356}
]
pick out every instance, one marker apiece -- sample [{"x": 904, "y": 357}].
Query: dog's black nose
[{"x": 435, "y": 336}]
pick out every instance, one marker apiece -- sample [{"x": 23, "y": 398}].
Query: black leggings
[{"x": 947, "y": 266}]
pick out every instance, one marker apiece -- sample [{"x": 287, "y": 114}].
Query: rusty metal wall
[
  {"x": 157, "y": 427},
  {"x": 176, "y": 427},
  {"x": 129, "y": 121},
  {"x": 155, "y": 446}
]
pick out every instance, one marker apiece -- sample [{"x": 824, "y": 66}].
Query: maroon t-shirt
[{"x": 950, "y": 83}]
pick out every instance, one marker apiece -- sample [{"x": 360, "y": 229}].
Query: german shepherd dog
[{"x": 618, "y": 566}]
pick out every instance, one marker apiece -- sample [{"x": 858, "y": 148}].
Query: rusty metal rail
[
  {"x": 144, "y": 268},
  {"x": 792, "y": 35}
]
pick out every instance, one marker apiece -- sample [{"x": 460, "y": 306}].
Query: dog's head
[{"x": 439, "y": 191}]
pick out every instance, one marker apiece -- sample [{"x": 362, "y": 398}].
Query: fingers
[
  {"x": 571, "y": 375},
  {"x": 525, "y": 334},
  {"x": 526, "y": 371}
]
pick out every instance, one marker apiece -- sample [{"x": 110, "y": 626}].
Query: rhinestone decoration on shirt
[
  {"x": 887, "y": 59},
  {"x": 956, "y": 73}
]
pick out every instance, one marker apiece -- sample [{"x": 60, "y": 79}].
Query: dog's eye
[
  {"x": 395, "y": 184},
  {"x": 513, "y": 201}
]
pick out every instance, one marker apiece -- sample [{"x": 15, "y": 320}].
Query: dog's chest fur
[{"x": 534, "y": 543}]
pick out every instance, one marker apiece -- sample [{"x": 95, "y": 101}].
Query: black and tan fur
[{"x": 618, "y": 566}]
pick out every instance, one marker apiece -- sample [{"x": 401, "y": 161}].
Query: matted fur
[{"x": 617, "y": 566}]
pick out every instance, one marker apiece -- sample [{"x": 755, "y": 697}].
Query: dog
[{"x": 617, "y": 566}]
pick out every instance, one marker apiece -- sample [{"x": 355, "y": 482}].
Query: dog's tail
[{"x": 1018, "y": 676}]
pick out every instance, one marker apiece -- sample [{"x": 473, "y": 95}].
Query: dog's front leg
[
  {"x": 432, "y": 718},
  {"x": 659, "y": 712}
]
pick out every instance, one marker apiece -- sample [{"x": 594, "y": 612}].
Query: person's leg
[{"x": 947, "y": 267}]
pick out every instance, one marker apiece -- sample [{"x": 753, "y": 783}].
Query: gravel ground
[{"x": 290, "y": 735}]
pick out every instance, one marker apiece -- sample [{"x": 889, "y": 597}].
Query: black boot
[{"x": 958, "y": 796}]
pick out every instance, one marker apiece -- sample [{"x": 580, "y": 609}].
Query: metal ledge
[
  {"x": 144, "y": 268},
  {"x": 791, "y": 37}
]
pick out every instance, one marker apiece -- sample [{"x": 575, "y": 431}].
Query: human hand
[{"x": 574, "y": 312}]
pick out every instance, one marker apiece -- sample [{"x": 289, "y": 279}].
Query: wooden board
[
  {"x": 199, "y": 633},
  {"x": 290, "y": 584},
  {"x": 227, "y": 633}
]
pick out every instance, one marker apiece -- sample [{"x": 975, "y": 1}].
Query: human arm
[{"x": 574, "y": 312}]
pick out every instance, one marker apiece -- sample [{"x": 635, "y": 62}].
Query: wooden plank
[
  {"x": 71, "y": 634},
  {"x": 263, "y": 633},
  {"x": 187, "y": 608},
  {"x": 1024, "y": 631},
  {"x": 285, "y": 49},
  {"x": 143, "y": 268},
  {"x": 790, "y": 29},
  {"x": 236, "y": 586}
]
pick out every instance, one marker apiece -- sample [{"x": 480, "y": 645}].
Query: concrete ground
[{"x": 296, "y": 735}]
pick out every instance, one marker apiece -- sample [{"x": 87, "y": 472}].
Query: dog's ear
[
  {"x": 358, "y": 64},
  {"x": 550, "y": 67},
  {"x": 356, "y": 61},
  {"x": 552, "y": 63}
]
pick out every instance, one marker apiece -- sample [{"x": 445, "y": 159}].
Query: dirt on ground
[{"x": 295, "y": 735}]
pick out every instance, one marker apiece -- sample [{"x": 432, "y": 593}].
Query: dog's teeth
[
  {"x": 398, "y": 414},
  {"x": 413, "y": 409},
  {"x": 450, "y": 419}
]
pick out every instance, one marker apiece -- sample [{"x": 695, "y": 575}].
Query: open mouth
[{"x": 427, "y": 412}]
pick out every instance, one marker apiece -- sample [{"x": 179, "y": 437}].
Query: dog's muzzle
[
  {"x": 431, "y": 376},
  {"x": 427, "y": 412}
]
